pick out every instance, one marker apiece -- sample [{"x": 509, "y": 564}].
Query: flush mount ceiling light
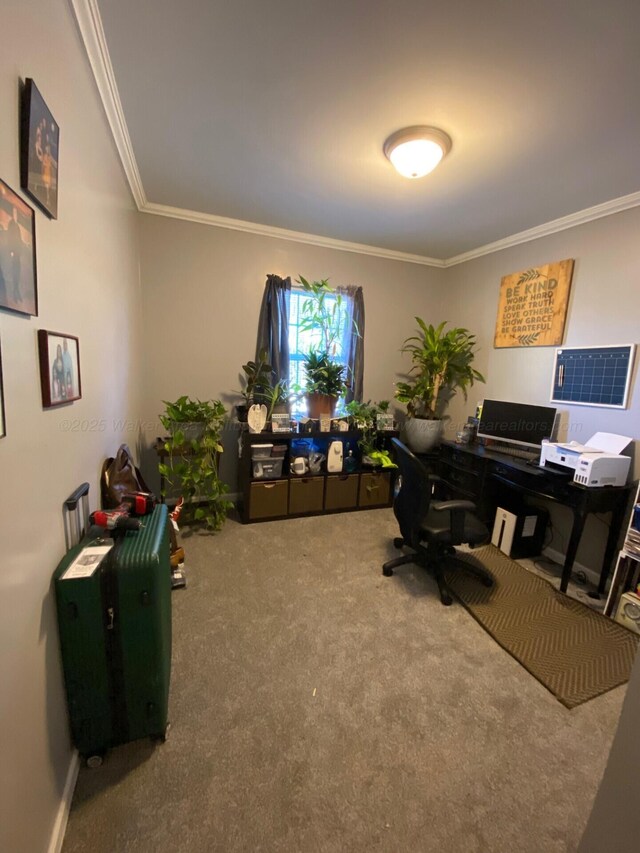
[{"x": 416, "y": 151}]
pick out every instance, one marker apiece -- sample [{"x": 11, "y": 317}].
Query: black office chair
[{"x": 440, "y": 525}]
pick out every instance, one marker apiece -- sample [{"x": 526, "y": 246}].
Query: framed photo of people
[
  {"x": 39, "y": 143},
  {"x": 59, "y": 368},
  {"x": 3, "y": 423},
  {"x": 18, "y": 280}
]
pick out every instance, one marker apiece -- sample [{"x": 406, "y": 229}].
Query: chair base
[{"x": 435, "y": 561}]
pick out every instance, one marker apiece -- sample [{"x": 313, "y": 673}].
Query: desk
[{"x": 486, "y": 477}]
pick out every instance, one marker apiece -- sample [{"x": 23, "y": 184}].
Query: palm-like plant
[{"x": 441, "y": 365}]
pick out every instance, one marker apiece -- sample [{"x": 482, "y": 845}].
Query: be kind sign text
[{"x": 533, "y": 306}]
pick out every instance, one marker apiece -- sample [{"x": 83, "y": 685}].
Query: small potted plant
[
  {"x": 193, "y": 447},
  {"x": 325, "y": 383},
  {"x": 441, "y": 365},
  {"x": 364, "y": 417}
]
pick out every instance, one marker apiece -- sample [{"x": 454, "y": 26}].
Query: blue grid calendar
[{"x": 593, "y": 376}]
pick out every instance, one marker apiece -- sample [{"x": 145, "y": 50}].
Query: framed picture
[
  {"x": 384, "y": 423},
  {"x": 18, "y": 287},
  {"x": 39, "y": 141},
  {"x": 3, "y": 423},
  {"x": 59, "y": 368},
  {"x": 281, "y": 423}
]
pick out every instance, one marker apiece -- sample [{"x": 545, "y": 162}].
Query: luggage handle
[
  {"x": 71, "y": 506},
  {"x": 71, "y": 502}
]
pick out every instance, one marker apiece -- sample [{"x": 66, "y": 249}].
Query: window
[{"x": 300, "y": 342}]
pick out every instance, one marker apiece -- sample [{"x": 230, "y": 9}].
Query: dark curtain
[
  {"x": 273, "y": 325},
  {"x": 355, "y": 342}
]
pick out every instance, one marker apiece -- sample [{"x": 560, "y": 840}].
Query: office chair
[{"x": 440, "y": 525}]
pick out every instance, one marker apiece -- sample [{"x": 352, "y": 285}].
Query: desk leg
[
  {"x": 617, "y": 517},
  {"x": 579, "y": 519}
]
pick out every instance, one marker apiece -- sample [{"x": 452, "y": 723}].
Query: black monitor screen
[{"x": 517, "y": 423}]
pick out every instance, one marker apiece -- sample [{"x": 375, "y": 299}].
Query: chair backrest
[{"x": 412, "y": 501}]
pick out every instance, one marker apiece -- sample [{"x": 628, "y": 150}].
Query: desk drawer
[
  {"x": 460, "y": 458},
  {"x": 468, "y": 481},
  {"x": 554, "y": 486}
]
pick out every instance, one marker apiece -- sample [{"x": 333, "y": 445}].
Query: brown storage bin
[
  {"x": 268, "y": 500},
  {"x": 342, "y": 491},
  {"x": 305, "y": 495},
  {"x": 375, "y": 489}
]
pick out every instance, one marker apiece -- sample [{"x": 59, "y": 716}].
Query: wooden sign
[{"x": 533, "y": 306}]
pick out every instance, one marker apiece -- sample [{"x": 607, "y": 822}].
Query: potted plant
[
  {"x": 193, "y": 448},
  {"x": 257, "y": 384},
  {"x": 441, "y": 365},
  {"x": 364, "y": 417},
  {"x": 324, "y": 319}
]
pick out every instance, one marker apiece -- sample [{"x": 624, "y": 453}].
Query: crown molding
[
  {"x": 581, "y": 217},
  {"x": 285, "y": 234},
  {"x": 92, "y": 33},
  {"x": 91, "y": 30}
]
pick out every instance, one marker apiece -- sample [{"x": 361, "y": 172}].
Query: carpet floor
[{"x": 317, "y": 706}]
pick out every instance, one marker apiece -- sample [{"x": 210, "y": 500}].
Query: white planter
[{"x": 422, "y": 435}]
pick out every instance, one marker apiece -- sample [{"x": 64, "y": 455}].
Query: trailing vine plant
[{"x": 193, "y": 447}]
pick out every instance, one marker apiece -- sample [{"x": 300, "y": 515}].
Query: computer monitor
[{"x": 516, "y": 423}]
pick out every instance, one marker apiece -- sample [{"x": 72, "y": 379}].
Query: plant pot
[
  {"x": 422, "y": 435},
  {"x": 241, "y": 413},
  {"x": 321, "y": 404}
]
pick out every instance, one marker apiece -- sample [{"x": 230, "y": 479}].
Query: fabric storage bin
[
  {"x": 305, "y": 495},
  {"x": 375, "y": 488},
  {"x": 267, "y": 469},
  {"x": 279, "y": 449},
  {"x": 268, "y": 500},
  {"x": 342, "y": 491}
]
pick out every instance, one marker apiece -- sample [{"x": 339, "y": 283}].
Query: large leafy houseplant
[
  {"x": 442, "y": 362},
  {"x": 193, "y": 448},
  {"x": 323, "y": 314}
]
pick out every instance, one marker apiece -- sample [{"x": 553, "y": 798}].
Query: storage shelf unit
[
  {"x": 627, "y": 572},
  {"x": 292, "y": 495}
]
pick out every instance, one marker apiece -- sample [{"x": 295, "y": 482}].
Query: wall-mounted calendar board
[{"x": 593, "y": 376}]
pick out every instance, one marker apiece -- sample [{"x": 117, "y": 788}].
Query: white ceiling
[{"x": 276, "y": 112}]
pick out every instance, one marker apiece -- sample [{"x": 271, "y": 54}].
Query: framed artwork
[
  {"x": 39, "y": 141},
  {"x": 18, "y": 285},
  {"x": 533, "y": 306},
  {"x": 59, "y": 368},
  {"x": 3, "y": 423}
]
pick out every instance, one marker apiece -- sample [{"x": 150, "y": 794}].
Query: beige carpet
[{"x": 575, "y": 652}]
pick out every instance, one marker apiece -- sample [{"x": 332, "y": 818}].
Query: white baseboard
[
  {"x": 60, "y": 825},
  {"x": 558, "y": 557}
]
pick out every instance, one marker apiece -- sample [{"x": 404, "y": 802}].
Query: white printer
[{"x": 596, "y": 463}]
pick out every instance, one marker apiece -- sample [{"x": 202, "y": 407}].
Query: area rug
[{"x": 575, "y": 652}]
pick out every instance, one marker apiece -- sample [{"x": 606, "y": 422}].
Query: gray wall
[
  {"x": 88, "y": 286},
  {"x": 202, "y": 292}
]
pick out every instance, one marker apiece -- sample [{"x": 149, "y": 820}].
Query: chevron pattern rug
[{"x": 575, "y": 652}]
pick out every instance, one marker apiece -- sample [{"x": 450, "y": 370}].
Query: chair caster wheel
[
  {"x": 387, "y": 572},
  {"x": 487, "y": 582},
  {"x": 398, "y": 542},
  {"x": 95, "y": 760},
  {"x": 446, "y": 600}
]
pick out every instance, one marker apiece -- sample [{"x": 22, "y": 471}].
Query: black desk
[{"x": 476, "y": 473}]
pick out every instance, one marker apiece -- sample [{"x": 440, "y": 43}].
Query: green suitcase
[{"x": 115, "y": 635}]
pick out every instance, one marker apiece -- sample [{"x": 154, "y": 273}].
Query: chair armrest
[{"x": 453, "y": 506}]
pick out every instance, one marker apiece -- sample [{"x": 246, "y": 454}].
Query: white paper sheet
[{"x": 86, "y": 562}]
